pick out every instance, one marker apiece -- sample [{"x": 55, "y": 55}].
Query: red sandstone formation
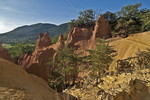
[
  {"x": 60, "y": 43},
  {"x": 102, "y": 29},
  {"x": 41, "y": 56},
  {"x": 43, "y": 41},
  {"x": 38, "y": 70},
  {"x": 4, "y": 53},
  {"x": 81, "y": 39},
  {"x": 78, "y": 34}
]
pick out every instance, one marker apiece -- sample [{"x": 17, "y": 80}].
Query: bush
[{"x": 20, "y": 48}]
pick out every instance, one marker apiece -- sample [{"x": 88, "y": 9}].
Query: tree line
[{"x": 129, "y": 20}]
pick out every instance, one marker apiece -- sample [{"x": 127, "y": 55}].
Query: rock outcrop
[
  {"x": 78, "y": 34},
  {"x": 124, "y": 86},
  {"x": 38, "y": 70},
  {"x": 84, "y": 38},
  {"x": 43, "y": 41},
  {"x": 17, "y": 84},
  {"x": 4, "y": 53},
  {"x": 138, "y": 91},
  {"x": 40, "y": 58},
  {"x": 102, "y": 29},
  {"x": 80, "y": 40},
  {"x": 60, "y": 43}
]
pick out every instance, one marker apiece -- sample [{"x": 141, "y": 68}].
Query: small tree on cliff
[
  {"x": 100, "y": 58},
  {"x": 86, "y": 18},
  {"x": 65, "y": 66},
  {"x": 146, "y": 20}
]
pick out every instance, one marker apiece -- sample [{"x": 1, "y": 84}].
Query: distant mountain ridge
[{"x": 29, "y": 33}]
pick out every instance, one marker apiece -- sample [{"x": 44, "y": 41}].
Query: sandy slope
[
  {"x": 128, "y": 47},
  {"x": 16, "y": 84}
]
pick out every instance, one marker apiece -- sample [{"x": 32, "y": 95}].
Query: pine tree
[
  {"x": 100, "y": 58},
  {"x": 65, "y": 67}
]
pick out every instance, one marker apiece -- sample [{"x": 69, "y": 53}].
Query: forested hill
[{"x": 29, "y": 33}]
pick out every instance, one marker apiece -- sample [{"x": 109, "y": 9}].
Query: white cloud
[
  {"x": 11, "y": 16},
  {"x": 5, "y": 27}
]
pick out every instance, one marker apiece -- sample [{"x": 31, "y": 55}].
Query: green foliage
[
  {"x": 86, "y": 18},
  {"x": 55, "y": 81},
  {"x": 100, "y": 58},
  {"x": 146, "y": 21},
  {"x": 54, "y": 39},
  {"x": 130, "y": 19},
  {"x": 29, "y": 34},
  {"x": 110, "y": 16},
  {"x": 7, "y": 46},
  {"x": 66, "y": 35},
  {"x": 129, "y": 11},
  {"x": 129, "y": 25},
  {"x": 20, "y": 48},
  {"x": 65, "y": 66}
]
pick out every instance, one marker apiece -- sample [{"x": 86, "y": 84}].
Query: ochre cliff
[
  {"x": 102, "y": 29},
  {"x": 83, "y": 39},
  {"x": 4, "y": 53},
  {"x": 43, "y": 41}
]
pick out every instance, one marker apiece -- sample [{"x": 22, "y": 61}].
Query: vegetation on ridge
[
  {"x": 64, "y": 68},
  {"x": 29, "y": 34},
  {"x": 20, "y": 48}
]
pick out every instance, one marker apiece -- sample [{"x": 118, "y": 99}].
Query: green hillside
[{"x": 30, "y": 33}]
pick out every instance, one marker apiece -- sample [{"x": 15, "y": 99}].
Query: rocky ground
[
  {"x": 14, "y": 94},
  {"x": 125, "y": 86}
]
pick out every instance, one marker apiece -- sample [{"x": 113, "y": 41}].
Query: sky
[{"x": 15, "y": 13}]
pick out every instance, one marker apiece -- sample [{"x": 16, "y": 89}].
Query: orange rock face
[
  {"x": 78, "y": 34},
  {"x": 102, "y": 29},
  {"x": 39, "y": 70},
  {"x": 4, "y": 53},
  {"x": 40, "y": 58},
  {"x": 80, "y": 40},
  {"x": 83, "y": 39},
  {"x": 43, "y": 41},
  {"x": 60, "y": 43}
]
